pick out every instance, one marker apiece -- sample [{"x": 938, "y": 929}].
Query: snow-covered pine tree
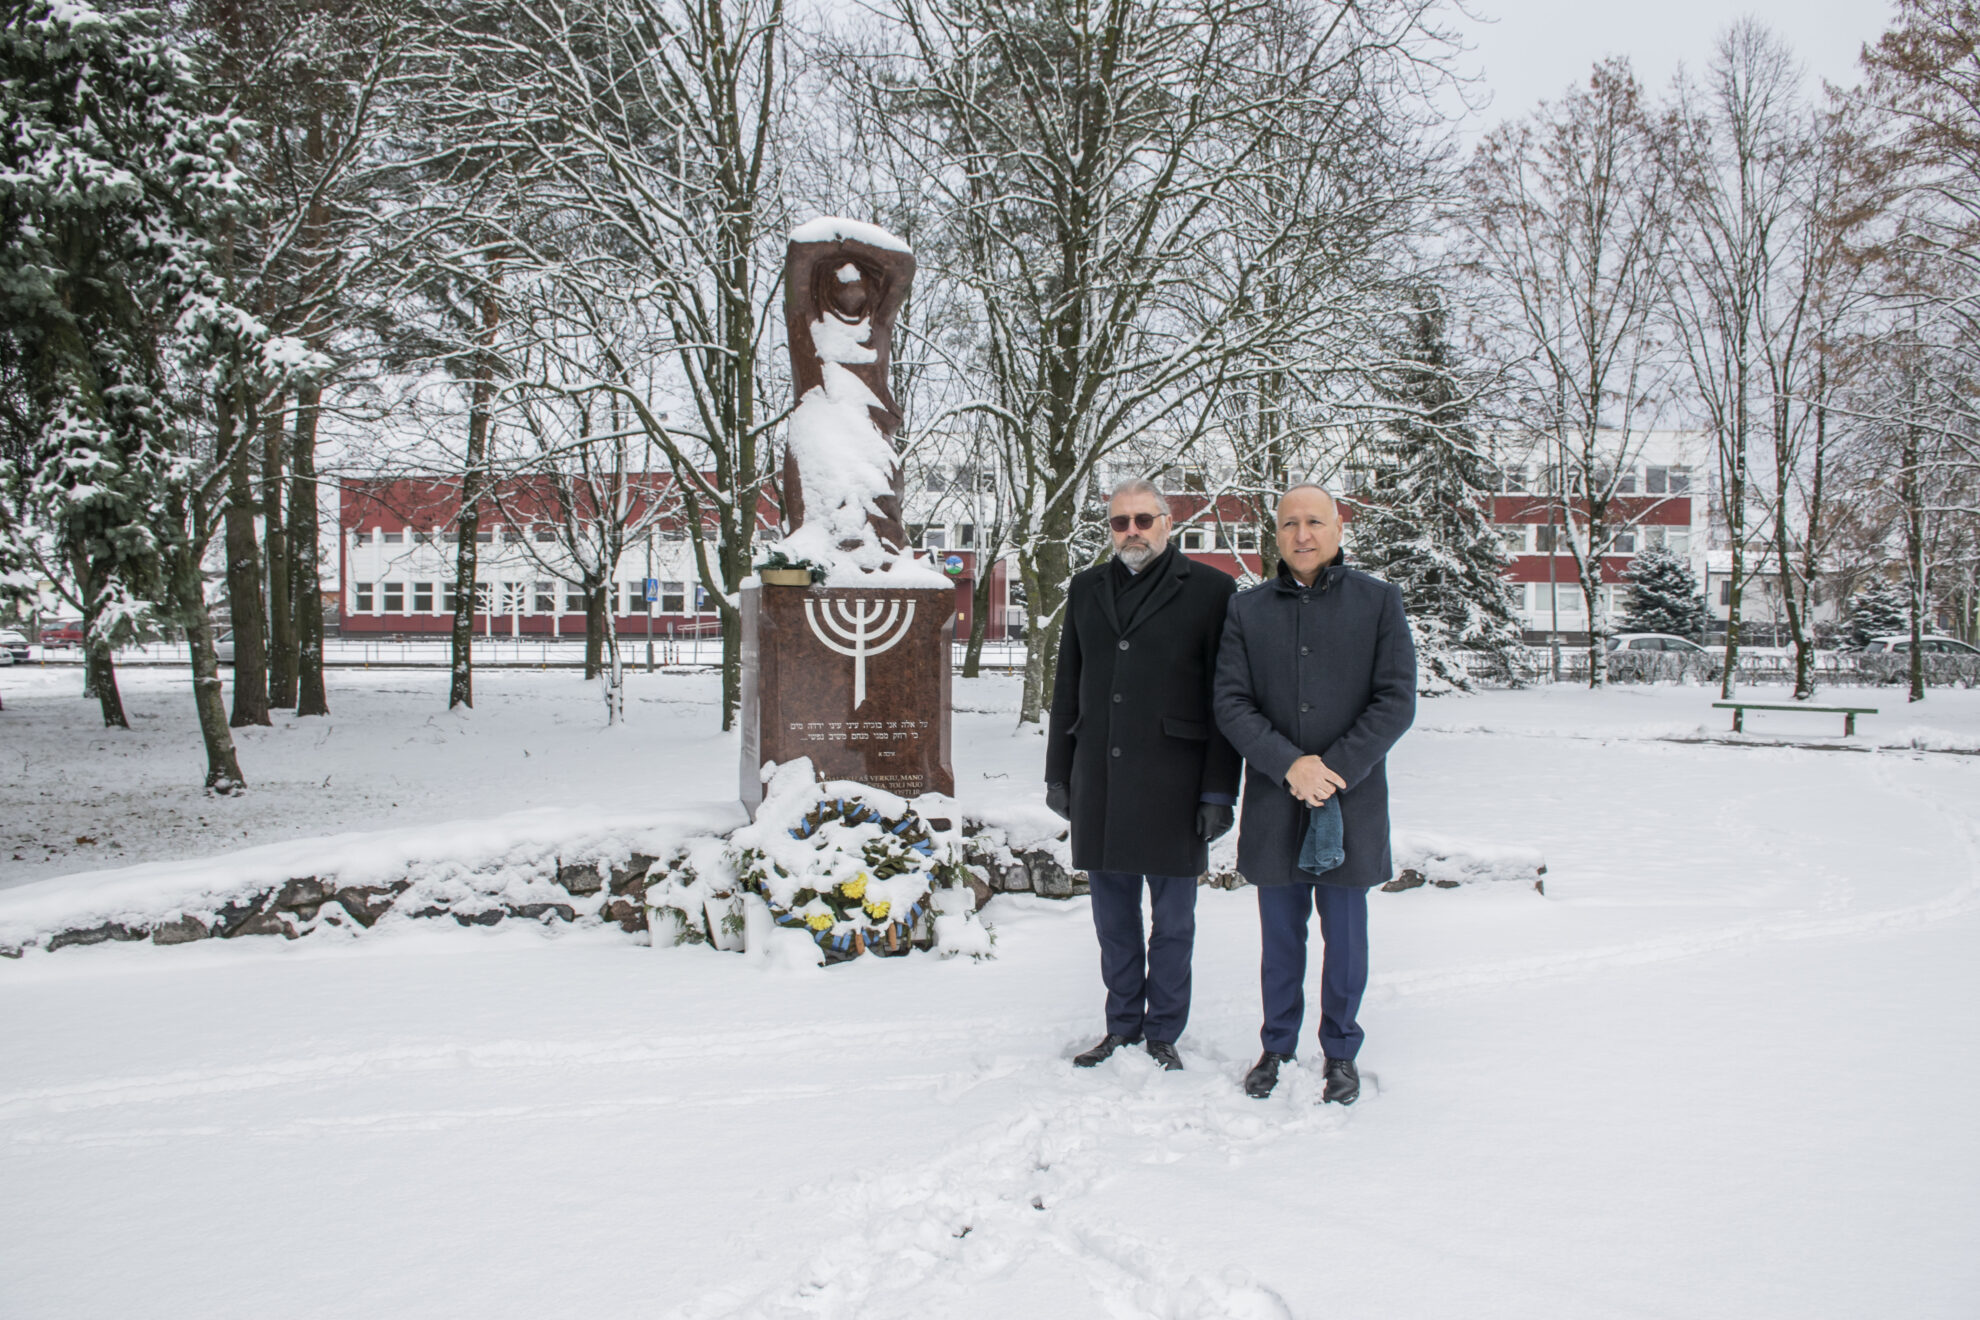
[
  {"x": 1423, "y": 522},
  {"x": 113, "y": 184},
  {"x": 1664, "y": 596},
  {"x": 1879, "y": 609}
]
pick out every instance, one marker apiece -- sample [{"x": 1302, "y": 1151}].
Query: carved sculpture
[{"x": 844, "y": 284}]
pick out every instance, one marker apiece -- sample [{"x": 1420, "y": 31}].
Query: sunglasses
[{"x": 1120, "y": 522}]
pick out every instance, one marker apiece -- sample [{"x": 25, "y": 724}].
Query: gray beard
[{"x": 1137, "y": 557}]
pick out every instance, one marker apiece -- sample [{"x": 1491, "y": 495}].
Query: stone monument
[{"x": 846, "y": 660}]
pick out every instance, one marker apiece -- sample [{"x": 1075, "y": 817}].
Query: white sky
[{"x": 1536, "y": 48}]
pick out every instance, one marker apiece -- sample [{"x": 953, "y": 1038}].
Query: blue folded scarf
[{"x": 1322, "y": 850}]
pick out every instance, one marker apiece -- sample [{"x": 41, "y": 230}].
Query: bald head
[{"x": 1309, "y": 530}]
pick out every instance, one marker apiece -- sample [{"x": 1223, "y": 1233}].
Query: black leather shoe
[
  {"x": 1343, "y": 1083},
  {"x": 1164, "y": 1053},
  {"x": 1264, "y": 1074},
  {"x": 1104, "y": 1050}
]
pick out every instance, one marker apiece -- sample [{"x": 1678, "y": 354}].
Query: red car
[{"x": 62, "y": 634}]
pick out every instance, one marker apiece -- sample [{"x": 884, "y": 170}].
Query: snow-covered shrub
[{"x": 692, "y": 898}]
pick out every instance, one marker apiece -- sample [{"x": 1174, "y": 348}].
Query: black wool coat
[
  {"x": 1327, "y": 669},
  {"x": 1131, "y": 732}
]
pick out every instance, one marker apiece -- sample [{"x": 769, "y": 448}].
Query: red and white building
[{"x": 399, "y": 540}]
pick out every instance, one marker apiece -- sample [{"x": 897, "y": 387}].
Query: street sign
[
  {"x": 652, "y": 589},
  {"x": 954, "y": 565}
]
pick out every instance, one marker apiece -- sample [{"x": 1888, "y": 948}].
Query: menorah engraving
[{"x": 859, "y": 628}]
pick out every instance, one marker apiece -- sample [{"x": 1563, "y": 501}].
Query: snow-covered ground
[{"x": 1722, "y": 1067}]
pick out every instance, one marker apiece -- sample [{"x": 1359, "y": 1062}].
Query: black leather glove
[
  {"x": 1055, "y": 798},
  {"x": 1213, "y": 820}
]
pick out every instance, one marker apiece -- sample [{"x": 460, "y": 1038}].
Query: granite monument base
[{"x": 856, "y": 678}]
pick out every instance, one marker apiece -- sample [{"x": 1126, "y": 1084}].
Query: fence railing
[
  {"x": 1531, "y": 664},
  {"x": 1534, "y": 664},
  {"x": 504, "y": 653}
]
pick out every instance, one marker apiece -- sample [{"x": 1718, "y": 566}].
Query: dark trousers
[
  {"x": 1147, "y": 986},
  {"x": 1282, "y": 913}
]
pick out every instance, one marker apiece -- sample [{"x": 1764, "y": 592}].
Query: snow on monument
[{"x": 846, "y": 635}]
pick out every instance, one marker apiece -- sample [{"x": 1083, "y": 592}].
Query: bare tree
[
  {"x": 1092, "y": 165},
  {"x": 651, "y": 126},
  {"x": 1569, "y": 232}
]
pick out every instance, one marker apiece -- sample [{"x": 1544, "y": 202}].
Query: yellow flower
[
  {"x": 819, "y": 921},
  {"x": 855, "y": 887},
  {"x": 878, "y": 911}
]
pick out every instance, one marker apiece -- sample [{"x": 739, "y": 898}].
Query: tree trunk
[
  {"x": 305, "y": 574},
  {"x": 99, "y": 670},
  {"x": 281, "y": 610},
  {"x": 1044, "y": 568},
  {"x": 103, "y": 683},
  {"x": 1911, "y": 488},
  {"x": 474, "y": 480},
  {"x": 1735, "y": 496},
  {"x": 979, "y": 617},
  {"x": 594, "y": 628},
  {"x": 244, "y": 600},
  {"x": 223, "y": 769},
  {"x": 731, "y": 665}
]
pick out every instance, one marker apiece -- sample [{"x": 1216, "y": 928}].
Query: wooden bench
[{"x": 1739, "y": 709}]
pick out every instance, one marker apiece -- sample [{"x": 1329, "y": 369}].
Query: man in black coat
[
  {"x": 1135, "y": 762},
  {"x": 1316, "y": 680}
]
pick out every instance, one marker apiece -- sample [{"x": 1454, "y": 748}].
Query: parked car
[
  {"x": 1666, "y": 642},
  {"x": 1931, "y": 644},
  {"x": 6, "y": 657},
  {"x": 62, "y": 634},
  {"x": 15, "y": 645},
  {"x": 224, "y": 644}
]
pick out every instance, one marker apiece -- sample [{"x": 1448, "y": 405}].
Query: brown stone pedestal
[{"x": 804, "y": 649}]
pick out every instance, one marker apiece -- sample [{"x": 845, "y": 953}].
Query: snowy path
[{"x": 1723, "y": 1068}]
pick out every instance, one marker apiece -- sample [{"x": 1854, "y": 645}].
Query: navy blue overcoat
[{"x": 1327, "y": 669}]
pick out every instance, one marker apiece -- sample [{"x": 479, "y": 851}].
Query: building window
[
  {"x": 915, "y": 531},
  {"x": 395, "y": 598},
  {"x": 636, "y": 596},
  {"x": 1668, "y": 480},
  {"x": 965, "y": 536},
  {"x": 933, "y": 481},
  {"x": 1512, "y": 538},
  {"x": 514, "y": 596},
  {"x": 392, "y": 538},
  {"x": 1626, "y": 482},
  {"x": 1544, "y": 538},
  {"x": 1193, "y": 538},
  {"x": 484, "y": 596},
  {"x": 701, "y": 605},
  {"x": 484, "y": 538},
  {"x": 573, "y": 598},
  {"x": 935, "y": 538},
  {"x": 422, "y": 598},
  {"x": 1247, "y": 539},
  {"x": 448, "y": 536},
  {"x": 1726, "y": 592},
  {"x": 450, "y": 597},
  {"x": 673, "y": 597},
  {"x": 1626, "y": 541},
  {"x": 545, "y": 533},
  {"x": 363, "y": 605},
  {"x": 546, "y": 598}
]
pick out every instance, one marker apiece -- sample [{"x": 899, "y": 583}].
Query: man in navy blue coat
[
  {"x": 1135, "y": 763},
  {"x": 1316, "y": 680}
]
